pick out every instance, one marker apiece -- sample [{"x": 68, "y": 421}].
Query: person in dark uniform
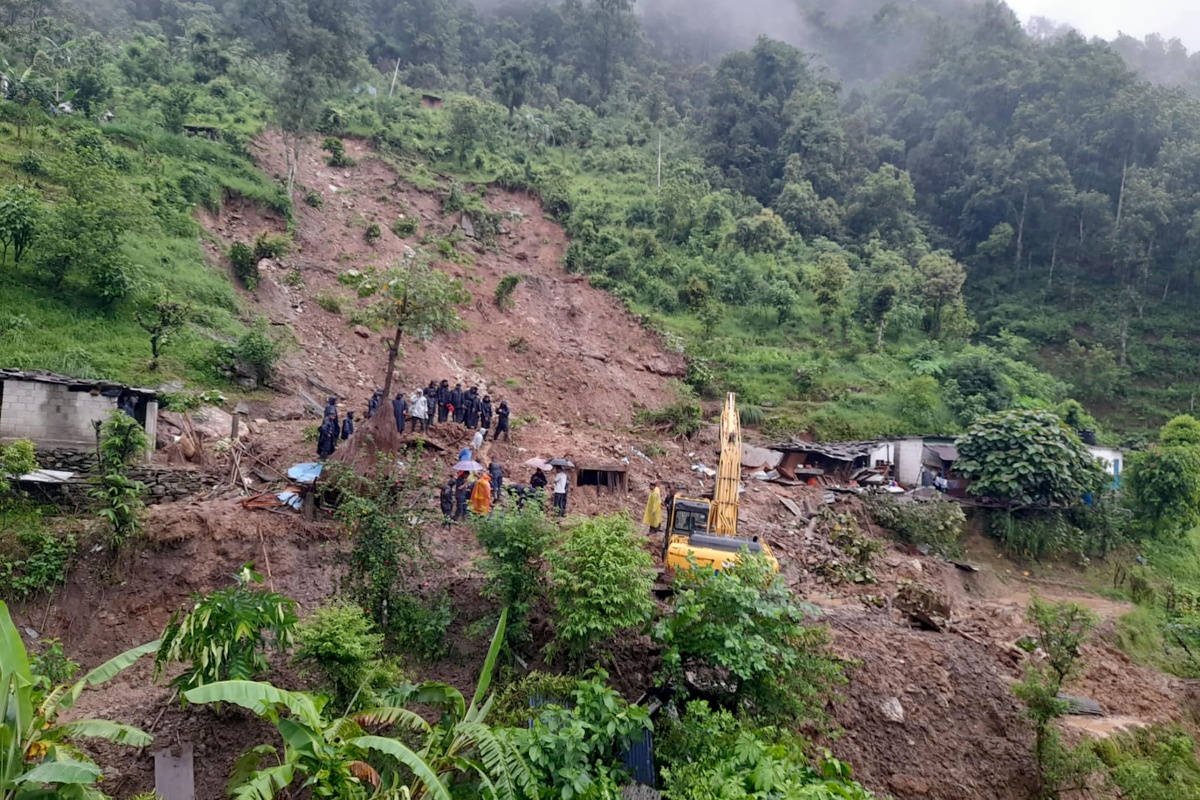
[
  {"x": 462, "y": 491},
  {"x": 330, "y": 407},
  {"x": 348, "y": 425},
  {"x": 400, "y": 407},
  {"x": 327, "y": 437},
  {"x": 501, "y": 421},
  {"x": 471, "y": 409},
  {"x": 496, "y": 473},
  {"x": 373, "y": 403},
  {"x": 485, "y": 414},
  {"x": 456, "y": 400},
  {"x": 443, "y": 401},
  {"x": 447, "y": 501}
]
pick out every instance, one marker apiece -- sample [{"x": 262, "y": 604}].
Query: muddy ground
[{"x": 574, "y": 366}]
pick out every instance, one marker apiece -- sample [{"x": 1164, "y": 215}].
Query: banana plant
[
  {"x": 333, "y": 757},
  {"x": 36, "y": 759}
]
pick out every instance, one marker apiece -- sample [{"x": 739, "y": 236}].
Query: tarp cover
[{"x": 307, "y": 472}]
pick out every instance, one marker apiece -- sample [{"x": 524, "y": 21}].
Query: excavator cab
[{"x": 689, "y": 533}]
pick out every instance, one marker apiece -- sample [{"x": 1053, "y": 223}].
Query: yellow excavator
[{"x": 706, "y": 529}]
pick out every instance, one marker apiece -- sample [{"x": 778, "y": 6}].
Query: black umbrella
[{"x": 561, "y": 462}]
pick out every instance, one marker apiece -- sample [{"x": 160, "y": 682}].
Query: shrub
[
  {"x": 337, "y": 642},
  {"x": 337, "y": 153},
  {"x": 313, "y": 199},
  {"x": 937, "y": 523},
  {"x": 16, "y": 458},
  {"x": 260, "y": 352},
  {"x": 601, "y": 577},
  {"x": 405, "y": 227},
  {"x": 226, "y": 634},
  {"x": 505, "y": 289},
  {"x": 271, "y": 245},
  {"x": 120, "y": 505},
  {"x": 515, "y": 542},
  {"x": 328, "y": 301},
  {"x": 742, "y": 634},
  {"x": 681, "y": 418},
  {"x": 32, "y": 164},
  {"x": 33, "y": 559},
  {"x": 419, "y": 624},
  {"x": 373, "y": 233},
  {"x": 245, "y": 265}
]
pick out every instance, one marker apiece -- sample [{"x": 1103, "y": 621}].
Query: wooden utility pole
[{"x": 395, "y": 73}]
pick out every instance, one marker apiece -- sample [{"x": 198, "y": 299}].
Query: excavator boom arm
[{"x": 729, "y": 471}]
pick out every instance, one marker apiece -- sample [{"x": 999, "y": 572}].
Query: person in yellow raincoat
[
  {"x": 653, "y": 518},
  {"x": 481, "y": 496}
]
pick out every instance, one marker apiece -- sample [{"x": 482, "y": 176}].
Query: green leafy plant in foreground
[
  {"x": 338, "y": 758},
  {"x": 34, "y": 749},
  {"x": 226, "y": 634}
]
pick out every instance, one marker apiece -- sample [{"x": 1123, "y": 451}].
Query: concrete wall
[
  {"x": 51, "y": 415},
  {"x": 908, "y": 457}
]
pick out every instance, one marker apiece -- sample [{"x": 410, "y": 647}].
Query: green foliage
[
  {"x": 36, "y": 759},
  {"x": 418, "y": 625},
  {"x": 937, "y": 523},
  {"x": 257, "y": 350},
  {"x": 742, "y": 635},
  {"x": 1061, "y": 630},
  {"x": 577, "y": 751},
  {"x": 226, "y": 634},
  {"x": 337, "y": 642},
  {"x": 120, "y": 506},
  {"x": 34, "y": 558},
  {"x": 175, "y": 108},
  {"x": 600, "y": 579},
  {"x": 681, "y": 418},
  {"x": 245, "y": 264},
  {"x": 329, "y": 301},
  {"x": 373, "y": 233},
  {"x": 1163, "y": 482},
  {"x": 405, "y": 227},
  {"x": 505, "y": 289},
  {"x": 515, "y": 541},
  {"x": 1154, "y": 763},
  {"x": 20, "y": 210},
  {"x": 1027, "y": 457},
  {"x": 162, "y": 318},
  {"x": 708, "y": 753},
  {"x": 314, "y": 199},
  {"x": 271, "y": 245},
  {"x": 16, "y": 458},
  {"x": 337, "y": 153}
]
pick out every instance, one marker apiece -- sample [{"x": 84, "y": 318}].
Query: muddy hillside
[{"x": 928, "y": 712}]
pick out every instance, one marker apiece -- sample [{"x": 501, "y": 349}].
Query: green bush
[
  {"x": 337, "y": 153},
  {"x": 245, "y": 265},
  {"x": 515, "y": 542},
  {"x": 373, "y": 233},
  {"x": 740, "y": 633},
  {"x": 405, "y": 227},
  {"x": 418, "y": 625},
  {"x": 681, "y": 418},
  {"x": 338, "y": 643},
  {"x": 937, "y": 523},
  {"x": 600, "y": 577},
  {"x": 226, "y": 634},
  {"x": 33, "y": 558},
  {"x": 260, "y": 351},
  {"x": 505, "y": 289},
  {"x": 271, "y": 245},
  {"x": 328, "y": 301},
  {"x": 313, "y": 199}
]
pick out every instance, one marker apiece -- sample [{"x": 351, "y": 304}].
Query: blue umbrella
[{"x": 468, "y": 466}]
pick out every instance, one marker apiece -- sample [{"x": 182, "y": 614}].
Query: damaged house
[
  {"x": 832, "y": 462},
  {"x": 58, "y": 412}
]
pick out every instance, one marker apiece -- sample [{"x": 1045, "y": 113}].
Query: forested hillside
[{"x": 938, "y": 214}]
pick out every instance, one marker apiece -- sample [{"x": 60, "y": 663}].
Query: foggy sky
[{"x": 1105, "y": 18}]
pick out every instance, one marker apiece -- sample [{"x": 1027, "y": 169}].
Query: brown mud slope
[{"x": 573, "y": 364}]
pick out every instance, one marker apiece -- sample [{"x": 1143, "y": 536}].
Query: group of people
[
  {"x": 464, "y": 493},
  {"x": 417, "y": 411}
]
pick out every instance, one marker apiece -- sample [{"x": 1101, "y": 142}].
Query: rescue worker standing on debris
[
  {"x": 485, "y": 414},
  {"x": 653, "y": 516},
  {"x": 447, "y": 501},
  {"x": 456, "y": 400},
  {"x": 496, "y": 473},
  {"x": 373, "y": 403},
  {"x": 420, "y": 412},
  {"x": 481, "y": 495},
  {"x": 462, "y": 490},
  {"x": 443, "y": 401},
  {"x": 348, "y": 425},
  {"x": 327, "y": 437},
  {"x": 501, "y": 421},
  {"x": 471, "y": 409},
  {"x": 400, "y": 407},
  {"x": 560, "y": 491}
]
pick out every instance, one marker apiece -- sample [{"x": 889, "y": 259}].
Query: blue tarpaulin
[{"x": 307, "y": 472}]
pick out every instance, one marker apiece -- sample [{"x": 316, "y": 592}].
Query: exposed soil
[{"x": 573, "y": 365}]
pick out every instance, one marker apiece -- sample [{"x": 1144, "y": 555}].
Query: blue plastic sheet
[{"x": 307, "y": 472}]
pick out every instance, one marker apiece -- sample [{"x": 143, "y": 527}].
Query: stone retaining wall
[{"x": 163, "y": 484}]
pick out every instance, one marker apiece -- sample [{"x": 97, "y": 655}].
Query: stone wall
[
  {"x": 50, "y": 414},
  {"x": 163, "y": 484}
]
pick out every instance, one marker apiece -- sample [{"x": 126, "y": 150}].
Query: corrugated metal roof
[
  {"x": 946, "y": 452},
  {"x": 41, "y": 376},
  {"x": 839, "y": 451}
]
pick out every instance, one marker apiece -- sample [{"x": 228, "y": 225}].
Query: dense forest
[{"x": 886, "y": 218}]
